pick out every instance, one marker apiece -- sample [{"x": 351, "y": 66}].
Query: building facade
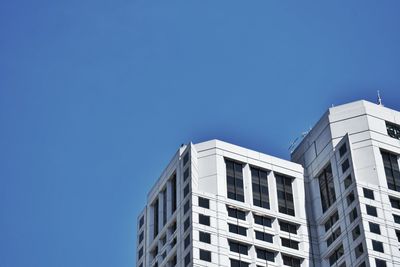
[
  {"x": 352, "y": 183},
  {"x": 336, "y": 204}
]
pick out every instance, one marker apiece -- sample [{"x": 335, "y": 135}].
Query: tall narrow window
[
  {"x": 327, "y": 188},
  {"x": 155, "y": 217},
  {"x": 260, "y": 188},
  {"x": 285, "y": 194},
  {"x": 173, "y": 196},
  {"x": 234, "y": 178},
  {"x": 391, "y": 170},
  {"x": 164, "y": 193}
]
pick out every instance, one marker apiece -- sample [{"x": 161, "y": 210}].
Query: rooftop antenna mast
[{"x": 379, "y": 99}]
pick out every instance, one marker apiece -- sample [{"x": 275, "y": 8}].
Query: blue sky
[{"x": 96, "y": 96}]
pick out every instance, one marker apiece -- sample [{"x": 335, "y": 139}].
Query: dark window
[
  {"x": 155, "y": 218},
  {"x": 186, "y": 206},
  {"x": 261, "y": 220},
  {"x": 289, "y": 243},
  {"x": 356, "y": 232},
  {"x": 238, "y": 247},
  {"x": 173, "y": 261},
  {"x": 342, "y": 150},
  {"x": 205, "y": 255},
  {"x": 347, "y": 181},
  {"x": 371, "y": 210},
  {"x": 185, "y": 159},
  {"x": 186, "y": 190},
  {"x": 391, "y": 170},
  {"x": 187, "y": 241},
  {"x": 395, "y": 202},
  {"x": 288, "y": 227},
  {"x": 186, "y": 224},
  {"x": 204, "y": 202},
  {"x": 353, "y": 215},
  {"x": 173, "y": 197},
  {"x": 291, "y": 261},
  {"x": 350, "y": 198},
  {"x": 362, "y": 264},
  {"x": 205, "y": 237},
  {"x": 141, "y": 221},
  {"x": 234, "y": 178},
  {"x": 263, "y": 236},
  {"x": 333, "y": 236},
  {"x": 140, "y": 254},
  {"x": 336, "y": 255},
  {"x": 186, "y": 174},
  {"x": 396, "y": 218},
  {"x": 187, "y": 259},
  {"x": 260, "y": 188},
  {"x": 398, "y": 235},
  {"x": 331, "y": 221},
  {"x": 236, "y": 263},
  {"x": 172, "y": 227},
  {"x": 345, "y": 165},
  {"x": 327, "y": 188},
  {"x": 236, "y": 229},
  {"x": 380, "y": 263},
  {"x": 377, "y": 246},
  {"x": 374, "y": 228},
  {"x": 265, "y": 254},
  {"x": 204, "y": 219},
  {"x": 359, "y": 250},
  {"x": 393, "y": 131},
  {"x": 285, "y": 194},
  {"x": 141, "y": 236},
  {"x": 235, "y": 213},
  {"x": 368, "y": 193},
  {"x": 164, "y": 193}
]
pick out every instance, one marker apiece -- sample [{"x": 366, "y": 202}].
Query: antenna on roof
[
  {"x": 379, "y": 99},
  {"x": 294, "y": 143}
]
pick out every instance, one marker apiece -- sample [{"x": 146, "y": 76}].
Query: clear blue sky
[{"x": 96, "y": 96}]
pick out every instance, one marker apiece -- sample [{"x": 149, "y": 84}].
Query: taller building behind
[{"x": 336, "y": 204}]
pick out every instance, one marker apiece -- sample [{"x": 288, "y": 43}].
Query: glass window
[
  {"x": 186, "y": 224},
  {"x": 371, "y": 211},
  {"x": 265, "y": 254},
  {"x": 336, "y": 255},
  {"x": 333, "y": 236},
  {"x": 350, "y": 198},
  {"x": 395, "y": 202},
  {"x": 331, "y": 221},
  {"x": 259, "y": 180},
  {"x": 289, "y": 243},
  {"x": 237, "y": 214},
  {"x": 236, "y": 229},
  {"x": 374, "y": 228},
  {"x": 173, "y": 197},
  {"x": 353, "y": 215},
  {"x": 327, "y": 188},
  {"x": 393, "y": 131},
  {"x": 187, "y": 259},
  {"x": 234, "y": 178},
  {"x": 359, "y": 250},
  {"x": 396, "y": 218},
  {"x": 204, "y": 219},
  {"x": 347, "y": 181},
  {"x": 186, "y": 206},
  {"x": 380, "y": 263},
  {"x": 261, "y": 220},
  {"x": 204, "y": 202},
  {"x": 288, "y": 227},
  {"x": 391, "y": 170},
  {"x": 238, "y": 247},
  {"x": 368, "y": 193},
  {"x": 356, "y": 232},
  {"x": 187, "y": 241},
  {"x": 155, "y": 218},
  {"x": 377, "y": 246},
  {"x": 291, "y": 261},
  {"x": 237, "y": 263},
  {"x": 263, "y": 236},
  {"x": 205, "y": 255},
  {"x": 185, "y": 159},
  {"x": 345, "y": 165},
  {"x": 205, "y": 237},
  {"x": 342, "y": 150},
  {"x": 285, "y": 194}
]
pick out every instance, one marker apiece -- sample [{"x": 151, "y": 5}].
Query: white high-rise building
[
  {"x": 218, "y": 204},
  {"x": 352, "y": 183}
]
